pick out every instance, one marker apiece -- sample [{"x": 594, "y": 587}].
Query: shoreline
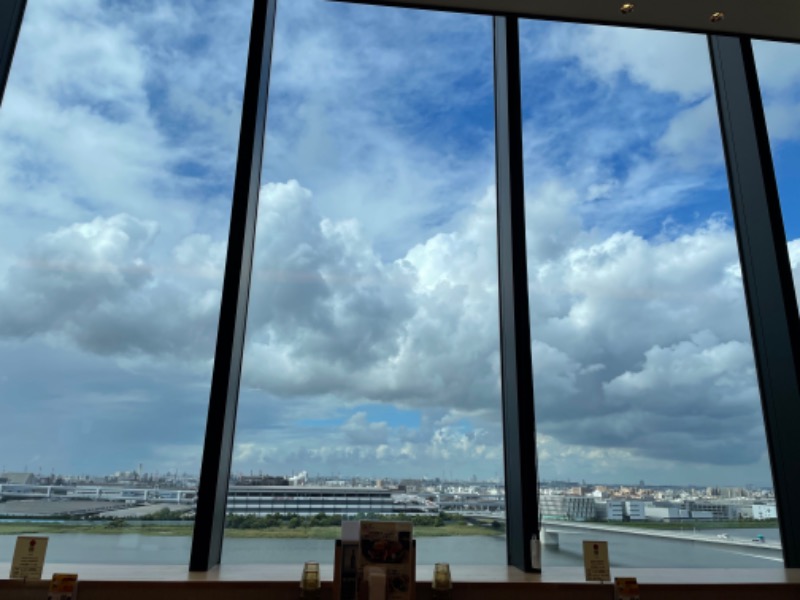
[
  {"x": 326, "y": 533},
  {"x": 320, "y": 532}
]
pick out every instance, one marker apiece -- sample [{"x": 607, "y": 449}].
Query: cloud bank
[{"x": 372, "y": 343}]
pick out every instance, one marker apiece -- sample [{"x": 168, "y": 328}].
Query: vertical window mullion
[
  {"x": 11, "y": 13},
  {"x": 766, "y": 270},
  {"x": 519, "y": 430},
  {"x": 218, "y": 447}
]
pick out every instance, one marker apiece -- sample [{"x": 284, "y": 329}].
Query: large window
[
  {"x": 370, "y": 379},
  {"x": 647, "y": 401},
  {"x": 371, "y": 371},
  {"x": 117, "y": 145}
]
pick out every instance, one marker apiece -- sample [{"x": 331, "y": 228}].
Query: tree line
[{"x": 295, "y": 521}]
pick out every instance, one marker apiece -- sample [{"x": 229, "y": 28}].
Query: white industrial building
[
  {"x": 762, "y": 512},
  {"x": 568, "y": 508},
  {"x": 635, "y": 510},
  {"x": 665, "y": 513}
]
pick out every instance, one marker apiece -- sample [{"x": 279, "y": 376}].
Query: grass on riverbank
[
  {"x": 331, "y": 533},
  {"x": 324, "y": 533},
  {"x": 327, "y": 532}
]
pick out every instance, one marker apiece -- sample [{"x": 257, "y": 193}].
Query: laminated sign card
[
  {"x": 62, "y": 587},
  {"x": 595, "y": 561},
  {"x": 28, "y": 561},
  {"x": 385, "y": 558}
]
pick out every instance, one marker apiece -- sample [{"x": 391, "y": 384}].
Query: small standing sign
[
  {"x": 626, "y": 588},
  {"x": 387, "y": 560},
  {"x": 595, "y": 561},
  {"x": 63, "y": 587},
  {"x": 28, "y": 561}
]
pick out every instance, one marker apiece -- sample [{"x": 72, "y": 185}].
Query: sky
[{"x": 372, "y": 344}]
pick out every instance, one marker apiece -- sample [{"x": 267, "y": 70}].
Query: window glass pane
[
  {"x": 118, "y": 136},
  {"x": 647, "y": 403},
  {"x": 370, "y": 378},
  {"x": 779, "y": 78}
]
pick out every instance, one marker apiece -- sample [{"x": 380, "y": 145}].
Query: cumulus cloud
[
  {"x": 411, "y": 161},
  {"x": 329, "y": 316},
  {"x": 630, "y": 334},
  {"x": 361, "y": 432},
  {"x": 97, "y": 286},
  {"x": 641, "y": 341},
  {"x": 75, "y": 270},
  {"x": 122, "y": 108},
  {"x": 372, "y": 343}
]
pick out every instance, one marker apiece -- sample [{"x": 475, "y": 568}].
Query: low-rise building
[
  {"x": 665, "y": 513},
  {"x": 568, "y": 508},
  {"x": 762, "y": 512},
  {"x": 616, "y": 510},
  {"x": 635, "y": 510},
  {"x": 307, "y": 500}
]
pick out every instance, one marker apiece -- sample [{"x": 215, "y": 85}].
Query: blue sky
[{"x": 372, "y": 341}]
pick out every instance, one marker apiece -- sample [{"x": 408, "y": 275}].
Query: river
[{"x": 624, "y": 550}]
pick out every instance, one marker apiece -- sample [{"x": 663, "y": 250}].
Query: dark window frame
[
  {"x": 11, "y": 15},
  {"x": 769, "y": 288}
]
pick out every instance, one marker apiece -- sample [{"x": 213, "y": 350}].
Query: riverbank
[
  {"x": 155, "y": 529},
  {"x": 625, "y": 550},
  {"x": 327, "y": 532}
]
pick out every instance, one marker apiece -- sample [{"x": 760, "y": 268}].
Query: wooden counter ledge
[{"x": 281, "y": 582}]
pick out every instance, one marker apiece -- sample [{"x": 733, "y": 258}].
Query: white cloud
[
  {"x": 74, "y": 270},
  {"x": 666, "y": 62},
  {"x": 778, "y": 67},
  {"x": 616, "y": 303},
  {"x": 374, "y": 127},
  {"x": 363, "y": 446},
  {"x": 329, "y": 316},
  {"x": 113, "y": 109},
  {"x": 692, "y": 139},
  {"x": 360, "y": 431},
  {"x": 375, "y": 286}
]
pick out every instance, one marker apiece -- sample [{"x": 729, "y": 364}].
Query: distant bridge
[{"x": 551, "y": 530}]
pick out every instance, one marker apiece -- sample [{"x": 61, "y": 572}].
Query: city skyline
[{"x": 337, "y": 479}]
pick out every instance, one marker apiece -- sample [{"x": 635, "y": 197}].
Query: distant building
[
  {"x": 703, "y": 515},
  {"x": 666, "y": 514},
  {"x": 634, "y": 510},
  {"x": 308, "y": 500},
  {"x": 18, "y": 478},
  {"x": 261, "y": 480},
  {"x": 733, "y": 492},
  {"x": 719, "y": 511},
  {"x": 762, "y": 512},
  {"x": 568, "y": 508},
  {"x": 610, "y": 510}
]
